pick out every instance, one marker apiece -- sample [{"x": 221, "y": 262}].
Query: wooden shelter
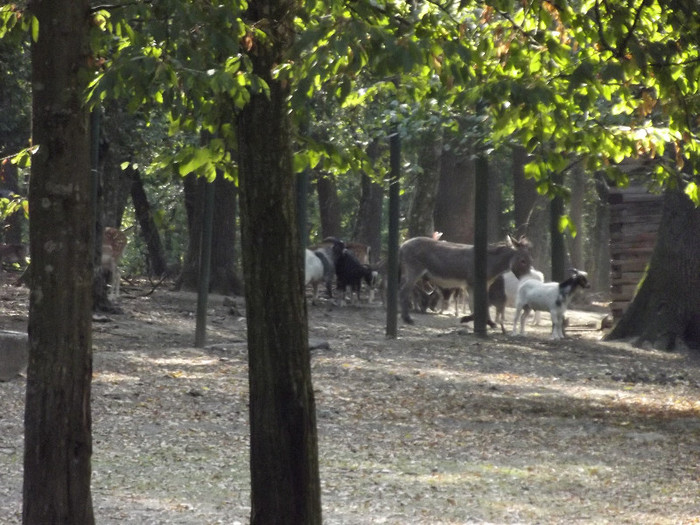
[{"x": 635, "y": 215}]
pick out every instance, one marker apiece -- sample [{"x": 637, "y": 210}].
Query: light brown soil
[{"x": 437, "y": 426}]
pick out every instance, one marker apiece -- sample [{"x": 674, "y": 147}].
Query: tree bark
[
  {"x": 329, "y": 206},
  {"x": 524, "y": 192},
  {"x": 157, "y": 264},
  {"x": 420, "y": 214},
  {"x": 285, "y": 485},
  {"x": 454, "y": 203},
  {"x": 58, "y": 442},
  {"x": 223, "y": 277},
  {"x": 578, "y": 192},
  {"x": 368, "y": 227},
  {"x": 666, "y": 308},
  {"x": 495, "y": 205}
]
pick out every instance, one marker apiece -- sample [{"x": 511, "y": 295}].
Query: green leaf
[
  {"x": 35, "y": 28},
  {"x": 691, "y": 190}
]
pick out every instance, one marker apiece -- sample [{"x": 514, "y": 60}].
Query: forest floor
[{"x": 436, "y": 426}]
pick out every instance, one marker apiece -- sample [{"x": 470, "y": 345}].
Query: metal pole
[
  {"x": 481, "y": 192},
  {"x": 393, "y": 239}
]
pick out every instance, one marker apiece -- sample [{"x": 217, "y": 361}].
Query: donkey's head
[{"x": 521, "y": 261}]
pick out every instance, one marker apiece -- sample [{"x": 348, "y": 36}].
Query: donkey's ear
[{"x": 510, "y": 241}]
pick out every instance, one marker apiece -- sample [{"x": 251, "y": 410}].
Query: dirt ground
[{"x": 436, "y": 427}]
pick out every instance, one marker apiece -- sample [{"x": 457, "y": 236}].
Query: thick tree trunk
[
  {"x": 58, "y": 442},
  {"x": 666, "y": 308},
  {"x": 425, "y": 186},
  {"x": 223, "y": 278},
  {"x": 285, "y": 485},
  {"x": 157, "y": 264},
  {"x": 454, "y": 204},
  {"x": 329, "y": 206},
  {"x": 368, "y": 227}
]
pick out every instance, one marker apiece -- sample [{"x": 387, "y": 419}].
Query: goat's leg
[
  {"x": 523, "y": 318},
  {"x": 518, "y": 312},
  {"x": 556, "y": 323}
]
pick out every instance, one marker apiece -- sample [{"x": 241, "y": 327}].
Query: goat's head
[
  {"x": 338, "y": 247},
  {"x": 580, "y": 278}
]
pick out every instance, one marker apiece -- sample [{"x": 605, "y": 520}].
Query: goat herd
[{"x": 431, "y": 269}]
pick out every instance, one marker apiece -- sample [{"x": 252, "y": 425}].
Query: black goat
[{"x": 350, "y": 272}]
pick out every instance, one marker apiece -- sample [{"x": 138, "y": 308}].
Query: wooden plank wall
[{"x": 635, "y": 215}]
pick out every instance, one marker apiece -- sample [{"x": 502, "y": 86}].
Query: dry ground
[{"x": 437, "y": 426}]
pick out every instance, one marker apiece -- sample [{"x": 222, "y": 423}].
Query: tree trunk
[
  {"x": 524, "y": 193},
  {"x": 285, "y": 485},
  {"x": 454, "y": 203},
  {"x": 666, "y": 308},
  {"x": 12, "y": 227},
  {"x": 600, "y": 240},
  {"x": 578, "y": 192},
  {"x": 58, "y": 442},
  {"x": 157, "y": 264},
  {"x": 117, "y": 145},
  {"x": 420, "y": 214},
  {"x": 368, "y": 227},
  {"x": 329, "y": 206},
  {"x": 495, "y": 205},
  {"x": 223, "y": 277},
  {"x": 531, "y": 213}
]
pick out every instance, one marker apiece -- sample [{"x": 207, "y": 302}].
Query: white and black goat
[
  {"x": 350, "y": 272},
  {"x": 314, "y": 273},
  {"x": 551, "y": 297}
]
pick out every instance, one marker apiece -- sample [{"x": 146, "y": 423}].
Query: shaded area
[{"x": 437, "y": 426}]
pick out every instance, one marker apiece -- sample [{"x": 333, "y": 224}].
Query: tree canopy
[{"x": 584, "y": 81}]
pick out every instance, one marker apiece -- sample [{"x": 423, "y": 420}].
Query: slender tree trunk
[
  {"x": 578, "y": 192},
  {"x": 556, "y": 210},
  {"x": 58, "y": 442},
  {"x": 156, "y": 256},
  {"x": 285, "y": 485},
  {"x": 666, "y": 308},
  {"x": 600, "y": 240}
]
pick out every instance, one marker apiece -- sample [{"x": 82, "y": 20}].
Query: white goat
[
  {"x": 314, "y": 273},
  {"x": 511, "y": 285},
  {"x": 552, "y": 297}
]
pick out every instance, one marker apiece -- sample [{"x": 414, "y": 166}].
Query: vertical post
[
  {"x": 200, "y": 333},
  {"x": 393, "y": 240},
  {"x": 481, "y": 192}
]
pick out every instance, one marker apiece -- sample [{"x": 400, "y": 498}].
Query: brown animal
[
  {"x": 113, "y": 243},
  {"x": 451, "y": 265}
]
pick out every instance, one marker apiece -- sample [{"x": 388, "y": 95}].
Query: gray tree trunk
[
  {"x": 58, "y": 441},
  {"x": 285, "y": 485}
]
